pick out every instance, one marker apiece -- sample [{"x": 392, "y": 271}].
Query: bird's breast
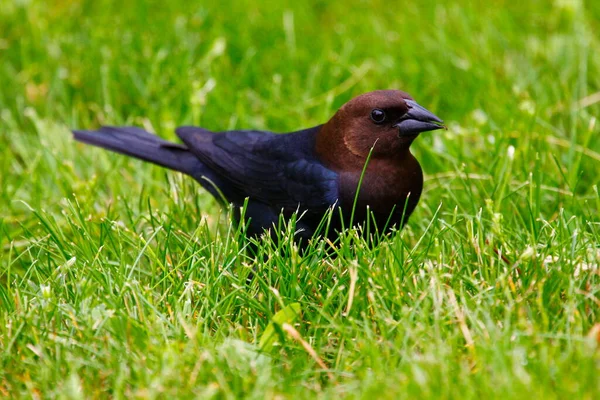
[{"x": 387, "y": 186}]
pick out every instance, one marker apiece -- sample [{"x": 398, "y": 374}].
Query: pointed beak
[{"x": 418, "y": 119}]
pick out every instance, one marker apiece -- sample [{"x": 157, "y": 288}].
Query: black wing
[{"x": 278, "y": 170}]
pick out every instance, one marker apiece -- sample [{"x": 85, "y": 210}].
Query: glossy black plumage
[{"x": 307, "y": 171}]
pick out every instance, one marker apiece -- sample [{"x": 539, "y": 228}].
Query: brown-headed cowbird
[{"x": 308, "y": 171}]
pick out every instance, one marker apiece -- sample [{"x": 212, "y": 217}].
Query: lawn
[{"x": 121, "y": 279}]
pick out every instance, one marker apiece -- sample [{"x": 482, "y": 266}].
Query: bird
[{"x": 356, "y": 167}]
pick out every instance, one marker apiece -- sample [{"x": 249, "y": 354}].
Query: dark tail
[{"x": 138, "y": 143}]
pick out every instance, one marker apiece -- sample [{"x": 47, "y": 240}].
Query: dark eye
[{"x": 377, "y": 115}]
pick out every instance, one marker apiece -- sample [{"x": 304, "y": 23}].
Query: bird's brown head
[{"x": 384, "y": 121}]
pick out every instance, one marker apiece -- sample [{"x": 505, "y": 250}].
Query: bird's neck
[{"x": 333, "y": 151}]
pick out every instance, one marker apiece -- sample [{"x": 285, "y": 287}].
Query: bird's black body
[
  {"x": 277, "y": 173},
  {"x": 306, "y": 172}
]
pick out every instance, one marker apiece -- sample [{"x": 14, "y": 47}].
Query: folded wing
[{"x": 280, "y": 171}]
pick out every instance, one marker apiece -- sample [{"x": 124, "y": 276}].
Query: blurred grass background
[{"x": 120, "y": 279}]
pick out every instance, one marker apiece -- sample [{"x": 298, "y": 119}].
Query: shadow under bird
[{"x": 308, "y": 171}]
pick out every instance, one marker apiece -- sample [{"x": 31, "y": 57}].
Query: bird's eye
[{"x": 377, "y": 115}]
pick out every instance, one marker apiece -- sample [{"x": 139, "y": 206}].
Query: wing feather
[{"x": 278, "y": 170}]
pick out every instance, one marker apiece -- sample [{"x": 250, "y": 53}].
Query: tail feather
[{"x": 138, "y": 143}]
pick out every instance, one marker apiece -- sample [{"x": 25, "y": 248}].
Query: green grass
[{"x": 119, "y": 279}]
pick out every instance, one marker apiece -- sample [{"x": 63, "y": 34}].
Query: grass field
[{"x": 120, "y": 279}]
